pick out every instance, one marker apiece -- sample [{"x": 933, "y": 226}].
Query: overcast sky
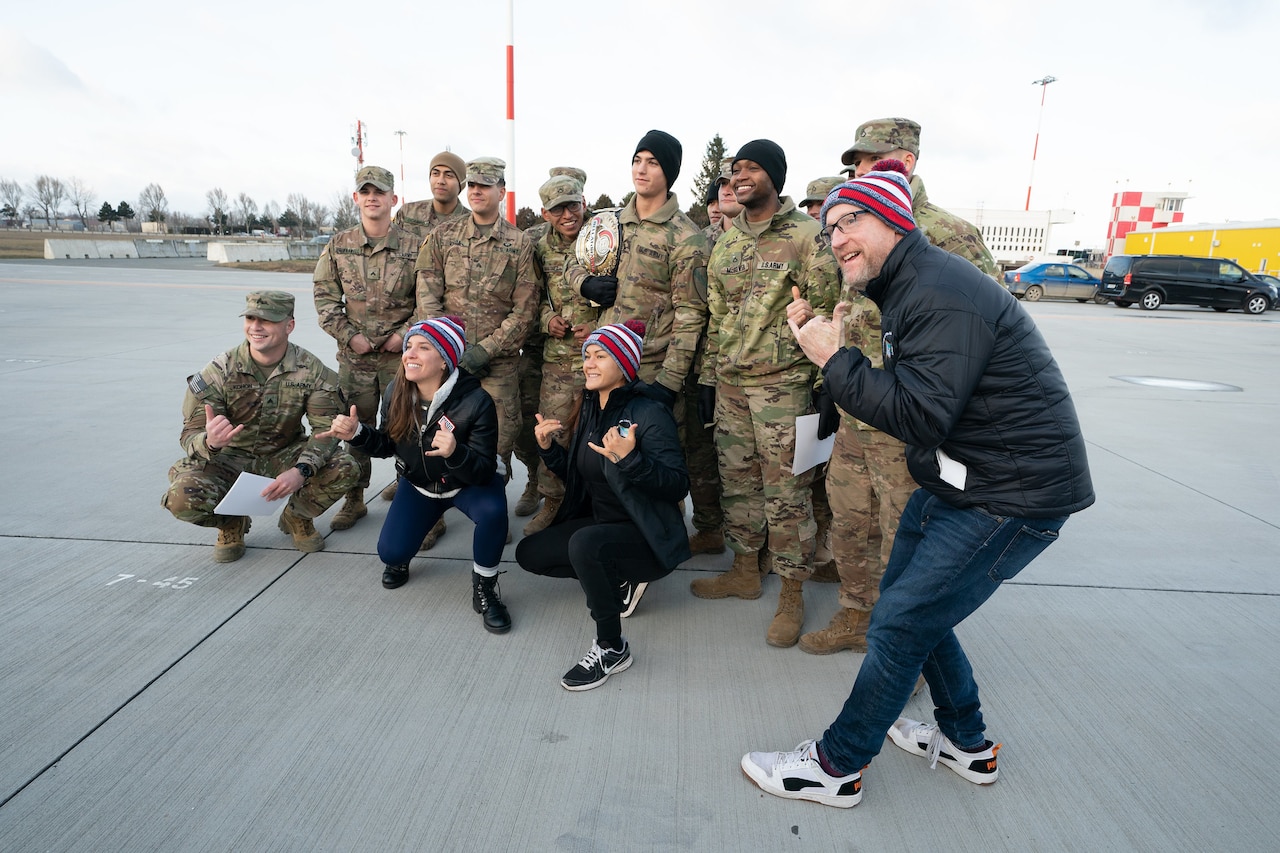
[{"x": 263, "y": 97}]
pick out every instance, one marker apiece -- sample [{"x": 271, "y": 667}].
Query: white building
[{"x": 1015, "y": 237}]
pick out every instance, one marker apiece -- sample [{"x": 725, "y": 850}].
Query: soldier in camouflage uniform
[
  {"x": 899, "y": 138},
  {"x": 530, "y": 369},
  {"x": 243, "y": 412},
  {"x": 662, "y": 272},
  {"x": 364, "y": 295},
  {"x": 824, "y": 565},
  {"x": 761, "y": 381},
  {"x": 421, "y": 217},
  {"x": 868, "y": 483},
  {"x": 481, "y": 268},
  {"x": 565, "y": 322}
]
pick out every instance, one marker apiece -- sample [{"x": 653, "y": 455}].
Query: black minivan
[{"x": 1153, "y": 280}]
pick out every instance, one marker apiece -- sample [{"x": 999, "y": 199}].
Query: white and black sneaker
[
  {"x": 596, "y": 666},
  {"x": 629, "y": 593},
  {"x": 798, "y": 775},
  {"x": 927, "y": 741}
]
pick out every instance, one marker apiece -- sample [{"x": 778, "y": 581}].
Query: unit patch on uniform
[{"x": 197, "y": 384}]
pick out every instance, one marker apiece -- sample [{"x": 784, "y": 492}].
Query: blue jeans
[
  {"x": 945, "y": 563},
  {"x": 413, "y": 514}
]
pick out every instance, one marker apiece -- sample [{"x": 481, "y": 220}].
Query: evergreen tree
[{"x": 710, "y": 170}]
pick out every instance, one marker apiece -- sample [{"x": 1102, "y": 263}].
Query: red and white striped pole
[
  {"x": 511, "y": 113},
  {"x": 1043, "y": 84}
]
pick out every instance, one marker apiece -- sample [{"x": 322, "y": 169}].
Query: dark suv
[{"x": 1153, "y": 280}]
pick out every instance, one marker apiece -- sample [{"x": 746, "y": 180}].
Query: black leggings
[{"x": 601, "y": 556}]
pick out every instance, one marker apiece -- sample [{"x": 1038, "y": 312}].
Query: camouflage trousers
[
  {"x": 503, "y": 385},
  {"x": 700, "y": 458},
  {"x": 196, "y": 486},
  {"x": 763, "y": 501},
  {"x": 561, "y": 387},
  {"x": 867, "y": 467},
  {"x": 363, "y": 379},
  {"x": 529, "y": 372}
]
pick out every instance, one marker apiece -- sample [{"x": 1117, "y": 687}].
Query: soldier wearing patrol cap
[
  {"x": 364, "y": 295},
  {"x": 481, "y": 268},
  {"x": 531, "y": 356},
  {"x": 868, "y": 484},
  {"x": 565, "y": 320},
  {"x": 243, "y": 412},
  {"x": 899, "y": 139},
  {"x": 816, "y": 193},
  {"x": 420, "y": 218}
]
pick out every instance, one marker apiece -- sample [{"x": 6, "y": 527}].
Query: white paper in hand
[
  {"x": 809, "y": 450},
  {"x": 245, "y": 497}
]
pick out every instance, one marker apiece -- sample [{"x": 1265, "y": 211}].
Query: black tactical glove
[
  {"x": 828, "y": 413},
  {"x": 601, "y": 289},
  {"x": 707, "y": 404},
  {"x": 475, "y": 360},
  {"x": 662, "y": 393}
]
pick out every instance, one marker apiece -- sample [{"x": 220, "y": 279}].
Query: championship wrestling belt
[{"x": 599, "y": 245}]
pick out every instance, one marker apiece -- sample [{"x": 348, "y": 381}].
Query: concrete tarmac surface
[{"x": 151, "y": 699}]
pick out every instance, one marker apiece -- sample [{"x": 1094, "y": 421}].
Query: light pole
[
  {"x": 401, "y": 134},
  {"x": 1043, "y": 83}
]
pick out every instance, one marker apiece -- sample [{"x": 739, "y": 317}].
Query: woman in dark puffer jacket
[
  {"x": 443, "y": 430},
  {"x": 619, "y": 527}
]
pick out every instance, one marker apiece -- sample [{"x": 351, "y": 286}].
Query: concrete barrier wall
[
  {"x": 176, "y": 247},
  {"x": 234, "y": 253},
  {"x": 61, "y": 249}
]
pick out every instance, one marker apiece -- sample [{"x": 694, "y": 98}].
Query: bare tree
[
  {"x": 11, "y": 195},
  {"x": 271, "y": 213},
  {"x": 50, "y": 193},
  {"x": 82, "y": 198},
  {"x": 217, "y": 208},
  {"x": 345, "y": 214},
  {"x": 152, "y": 203},
  {"x": 319, "y": 215},
  {"x": 247, "y": 208}
]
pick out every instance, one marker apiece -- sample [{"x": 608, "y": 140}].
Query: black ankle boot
[
  {"x": 394, "y": 576},
  {"x": 485, "y": 599}
]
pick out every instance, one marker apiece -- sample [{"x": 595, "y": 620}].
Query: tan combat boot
[
  {"x": 231, "y": 533},
  {"x": 707, "y": 542},
  {"x": 353, "y": 509},
  {"x": 305, "y": 537},
  {"x": 389, "y": 493},
  {"x": 545, "y": 516},
  {"x": 433, "y": 535},
  {"x": 528, "y": 499},
  {"x": 741, "y": 581},
  {"x": 848, "y": 630},
  {"x": 824, "y": 562},
  {"x": 784, "y": 630}
]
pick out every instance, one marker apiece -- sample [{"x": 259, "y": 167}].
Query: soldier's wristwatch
[{"x": 307, "y": 471}]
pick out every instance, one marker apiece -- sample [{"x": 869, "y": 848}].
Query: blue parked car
[{"x": 1056, "y": 279}]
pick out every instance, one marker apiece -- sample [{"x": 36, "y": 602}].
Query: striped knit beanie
[
  {"x": 446, "y": 335},
  {"x": 885, "y": 192},
  {"x": 623, "y": 341}
]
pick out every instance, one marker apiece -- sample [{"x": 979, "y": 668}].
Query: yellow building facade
[{"x": 1253, "y": 245}]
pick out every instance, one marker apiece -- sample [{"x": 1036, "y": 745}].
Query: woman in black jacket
[
  {"x": 619, "y": 527},
  {"x": 443, "y": 430}
]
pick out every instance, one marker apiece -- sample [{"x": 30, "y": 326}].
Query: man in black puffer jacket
[{"x": 993, "y": 440}]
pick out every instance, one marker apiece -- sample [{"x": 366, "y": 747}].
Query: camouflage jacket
[
  {"x": 749, "y": 281},
  {"x": 948, "y": 231},
  {"x": 419, "y": 218},
  {"x": 554, "y": 253},
  {"x": 271, "y": 411},
  {"x": 489, "y": 281},
  {"x": 713, "y": 233},
  {"x": 365, "y": 286},
  {"x": 662, "y": 281}
]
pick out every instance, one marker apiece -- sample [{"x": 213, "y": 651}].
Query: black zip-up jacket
[
  {"x": 966, "y": 370},
  {"x": 475, "y": 427},
  {"x": 649, "y": 482}
]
